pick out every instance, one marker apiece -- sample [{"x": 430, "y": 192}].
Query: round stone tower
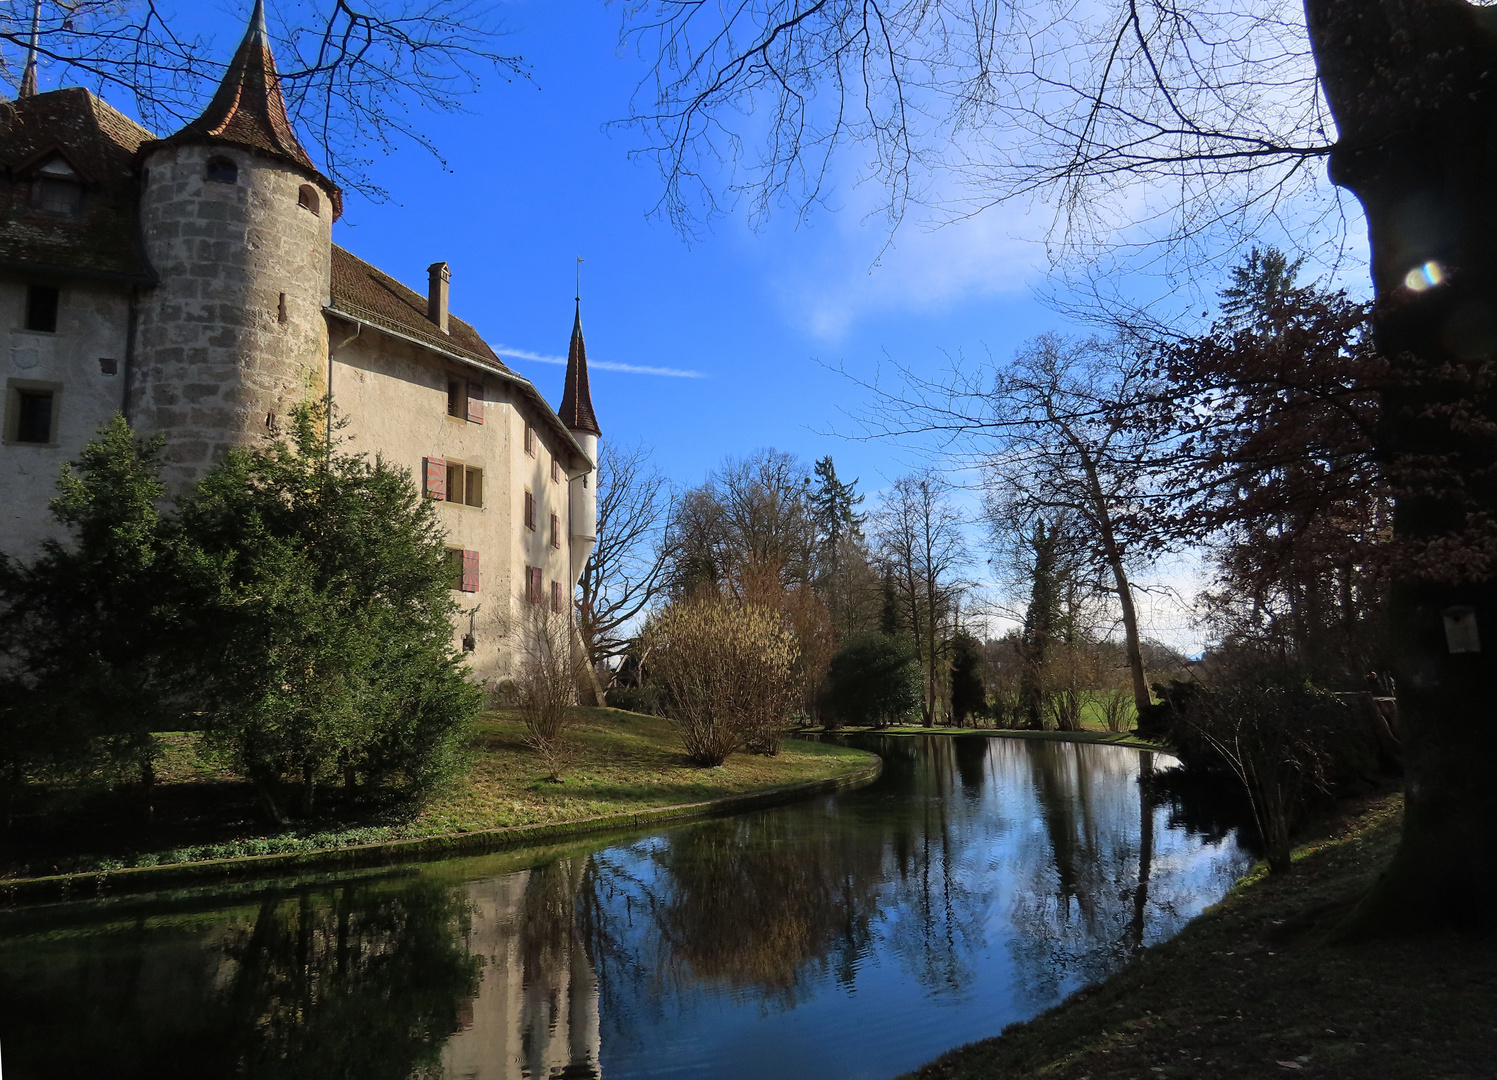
[{"x": 237, "y": 223}]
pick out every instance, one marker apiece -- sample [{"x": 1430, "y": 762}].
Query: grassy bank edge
[
  {"x": 93, "y": 884},
  {"x": 1109, "y": 738}
]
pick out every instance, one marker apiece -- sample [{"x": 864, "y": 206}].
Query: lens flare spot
[{"x": 1425, "y": 277}]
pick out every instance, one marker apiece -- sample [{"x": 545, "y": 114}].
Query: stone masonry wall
[{"x": 221, "y": 358}]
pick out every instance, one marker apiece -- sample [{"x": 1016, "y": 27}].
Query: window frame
[
  {"x": 461, "y": 492},
  {"x": 534, "y": 585},
  {"x": 457, "y": 397},
  {"x": 530, "y": 510},
  {"x": 34, "y": 290},
  {"x": 555, "y": 470},
  {"x": 308, "y": 199},
  {"x": 15, "y": 389},
  {"x": 214, "y": 164},
  {"x": 556, "y": 531}
]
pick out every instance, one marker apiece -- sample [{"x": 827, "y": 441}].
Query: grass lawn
[
  {"x": 1251, "y": 989},
  {"x": 619, "y": 762}
]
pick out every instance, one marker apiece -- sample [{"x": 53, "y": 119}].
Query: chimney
[{"x": 436, "y": 294}]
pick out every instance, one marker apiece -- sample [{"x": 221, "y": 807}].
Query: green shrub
[{"x": 873, "y": 679}]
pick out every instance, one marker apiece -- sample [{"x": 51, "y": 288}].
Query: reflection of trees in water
[
  {"x": 356, "y": 983},
  {"x": 754, "y": 905},
  {"x": 347, "y": 982},
  {"x": 1089, "y": 906},
  {"x": 933, "y": 912}
]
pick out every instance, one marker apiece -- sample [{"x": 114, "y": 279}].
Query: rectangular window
[
  {"x": 57, "y": 196},
  {"x": 530, "y": 440},
  {"x": 556, "y": 598},
  {"x": 457, "y": 398},
  {"x": 475, "y": 403},
  {"x": 555, "y": 531},
  {"x": 41, "y": 308},
  {"x": 555, "y": 471},
  {"x": 529, "y": 511},
  {"x": 434, "y": 478},
  {"x": 31, "y": 412},
  {"x": 455, "y": 568},
  {"x": 533, "y": 584},
  {"x": 463, "y": 483}
]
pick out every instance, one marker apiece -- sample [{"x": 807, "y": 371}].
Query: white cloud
[
  {"x": 601, "y": 365},
  {"x": 838, "y": 271}
]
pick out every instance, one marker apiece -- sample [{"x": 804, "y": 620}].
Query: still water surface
[{"x": 978, "y": 882}]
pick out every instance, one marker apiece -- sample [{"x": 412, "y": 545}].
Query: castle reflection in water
[
  {"x": 536, "y": 1011},
  {"x": 977, "y": 883}
]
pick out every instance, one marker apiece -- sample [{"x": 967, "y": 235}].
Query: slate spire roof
[
  {"x": 576, "y": 409},
  {"x": 248, "y": 109}
]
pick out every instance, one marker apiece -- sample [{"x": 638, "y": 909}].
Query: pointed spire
[
  {"x": 248, "y": 108},
  {"x": 576, "y": 410},
  {"x": 28, "y": 75}
]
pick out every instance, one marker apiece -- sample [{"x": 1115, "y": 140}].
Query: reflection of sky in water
[
  {"x": 976, "y": 884},
  {"x": 995, "y": 888}
]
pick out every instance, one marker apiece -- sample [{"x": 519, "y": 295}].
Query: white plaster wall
[
  {"x": 92, "y": 320},
  {"x": 394, "y": 396}
]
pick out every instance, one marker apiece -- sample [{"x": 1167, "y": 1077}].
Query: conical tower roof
[
  {"x": 576, "y": 410},
  {"x": 248, "y": 109}
]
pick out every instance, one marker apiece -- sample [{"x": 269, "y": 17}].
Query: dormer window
[
  {"x": 307, "y": 199},
  {"x": 222, "y": 170},
  {"x": 57, "y": 188}
]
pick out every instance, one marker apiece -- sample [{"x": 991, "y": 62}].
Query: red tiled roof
[
  {"x": 363, "y": 290},
  {"x": 248, "y": 109},
  {"x": 372, "y": 296}
]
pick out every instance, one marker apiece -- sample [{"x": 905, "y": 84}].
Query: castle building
[{"x": 192, "y": 284}]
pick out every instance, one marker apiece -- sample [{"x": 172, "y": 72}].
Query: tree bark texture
[{"x": 1412, "y": 85}]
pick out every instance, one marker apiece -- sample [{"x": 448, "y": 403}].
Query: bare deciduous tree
[
  {"x": 1085, "y": 103},
  {"x": 919, "y": 533},
  {"x": 356, "y": 76},
  {"x": 546, "y": 680},
  {"x": 626, "y": 569}
]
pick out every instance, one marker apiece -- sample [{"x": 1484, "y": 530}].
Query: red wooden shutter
[
  {"x": 529, "y": 510},
  {"x": 434, "y": 477},
  {"x": 475, "y": 403},
  {"x": 470, "y": 572},
  {"x": 556, "y": 597}
]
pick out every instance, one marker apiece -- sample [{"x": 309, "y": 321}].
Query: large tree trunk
[{"x": 1413, "y": 88}]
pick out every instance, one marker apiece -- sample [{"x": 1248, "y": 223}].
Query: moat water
[{"x": 979, "y": 881}]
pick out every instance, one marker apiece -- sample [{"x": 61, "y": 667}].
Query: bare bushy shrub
[
  {"x": 545, "y": 683},
  {"x": 1280, "y": 741},
  {"x": 728, "y": 675}
]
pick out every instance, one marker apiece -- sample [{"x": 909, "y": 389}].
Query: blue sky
[{"x": 535, "y": 176}]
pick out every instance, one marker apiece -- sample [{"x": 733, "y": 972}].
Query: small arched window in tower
[
  {"x": 307, "y": 199},
  {"x": 222, "y": 170}
]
